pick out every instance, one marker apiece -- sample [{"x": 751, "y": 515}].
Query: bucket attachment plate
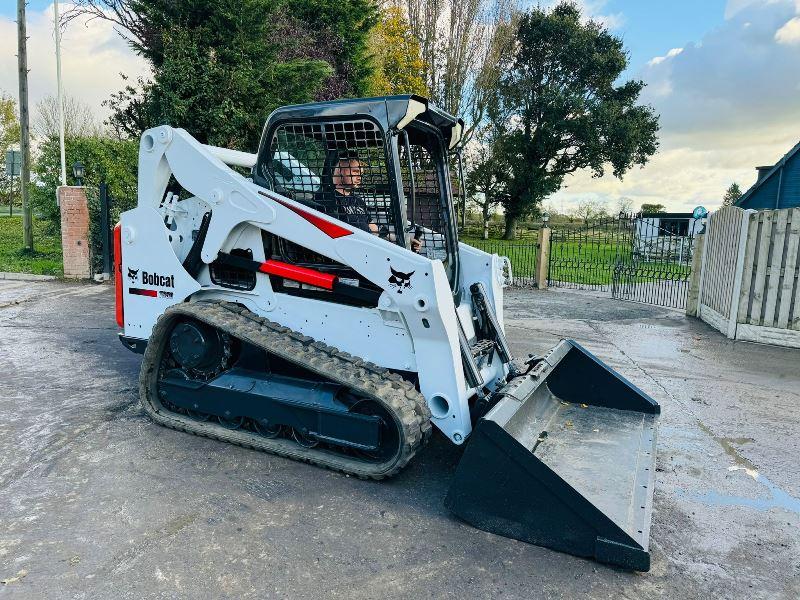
[{"x": 565, "y": 459}]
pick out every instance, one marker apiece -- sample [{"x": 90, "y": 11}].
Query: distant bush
[{"x": 105, "y": 159}]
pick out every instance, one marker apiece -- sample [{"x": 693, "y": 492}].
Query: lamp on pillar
[
  {"x": 78, "y": 172},
  {"x": 545, "y": 218}
]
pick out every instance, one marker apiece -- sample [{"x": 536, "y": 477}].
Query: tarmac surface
[{"x": 96, "y": 501}]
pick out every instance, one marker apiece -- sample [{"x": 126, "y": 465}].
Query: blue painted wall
[{"x": 765, "y": 194}]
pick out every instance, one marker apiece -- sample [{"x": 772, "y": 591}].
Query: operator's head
[{"x": 347, "y": 173}]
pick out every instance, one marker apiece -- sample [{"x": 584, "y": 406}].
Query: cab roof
[{"x": 392, "y": 112}]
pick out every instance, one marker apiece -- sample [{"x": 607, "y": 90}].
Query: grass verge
[{"x": 44, "y": 260}]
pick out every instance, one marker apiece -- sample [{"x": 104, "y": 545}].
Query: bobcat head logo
[
  {"x": 400, "y": 280},
  {"x": 132, "y": 275}
]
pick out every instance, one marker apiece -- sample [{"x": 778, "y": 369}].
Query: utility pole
[
  {"x": 24, "y": 122},
  {"x": 57, "y": 21}
]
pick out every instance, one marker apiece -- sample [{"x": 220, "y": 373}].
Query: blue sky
[
  {"x": 9, "y": 7},
  {"x": 653, "y": 27}
]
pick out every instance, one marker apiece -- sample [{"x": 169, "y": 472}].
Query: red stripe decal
[
  {"x": 301, "y": 274},
  {"x": 141, "y": 292},
  {"x": 120, "y": 306},
  {"x": 332, "y": 230}
]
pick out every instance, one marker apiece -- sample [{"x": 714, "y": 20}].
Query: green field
[
  {"x": 581, "y": 263},
  {"x": 44, "y": 260}
]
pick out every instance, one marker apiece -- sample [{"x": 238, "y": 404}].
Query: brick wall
[{"x": 75, "y": 232}]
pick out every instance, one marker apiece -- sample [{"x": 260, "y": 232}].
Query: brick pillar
[{"x": 75, "y": 231}]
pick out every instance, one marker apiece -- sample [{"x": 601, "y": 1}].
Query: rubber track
[{"x": 397, "y": 394}]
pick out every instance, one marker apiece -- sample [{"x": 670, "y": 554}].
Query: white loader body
[{"x": 413, "y": 329}]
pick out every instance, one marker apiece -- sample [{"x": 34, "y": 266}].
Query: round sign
[{"x": 700, "y": 212}]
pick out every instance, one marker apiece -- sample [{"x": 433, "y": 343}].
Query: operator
[{"x": 345, "y": 204}]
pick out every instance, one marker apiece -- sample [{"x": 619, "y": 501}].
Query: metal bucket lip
[{"x": 522, "y": 386}]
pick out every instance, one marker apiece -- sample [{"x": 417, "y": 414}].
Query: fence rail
[
  {"x": 587, "y": 257},
  {"x": 630, "y": 256},
  {"x": 522, "y": 255}
]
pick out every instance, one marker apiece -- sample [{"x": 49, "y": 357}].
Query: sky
[{"x": 724, "y": 76}]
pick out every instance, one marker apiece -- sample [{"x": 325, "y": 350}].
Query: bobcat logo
[
  {"x": 132, "y": 275},
  {"x": 400, "y": 280}
]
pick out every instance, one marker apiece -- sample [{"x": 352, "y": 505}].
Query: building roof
[{"x": 762, "y": 181}]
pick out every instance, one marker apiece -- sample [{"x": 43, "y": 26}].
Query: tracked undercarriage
[{"x": 363, "y": 420}]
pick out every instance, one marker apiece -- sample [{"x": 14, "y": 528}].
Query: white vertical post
[
  {"x": 57, "y": 26},
  {"x": 737, "y": 277}
]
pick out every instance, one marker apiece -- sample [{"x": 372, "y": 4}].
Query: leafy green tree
[
  {"x": 219, "y": 67},
  {"x": 559, "y": 107},
  {"x": 652, "y": 208},
  {"x": 398, "y": 64},
  {"x": 732, "y": 195},
  {"x": 105, "y": 159},
  {"x": 338, "y": 33}
]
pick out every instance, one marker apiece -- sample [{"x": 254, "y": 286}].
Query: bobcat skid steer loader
[{"x": 313, "y": 301}]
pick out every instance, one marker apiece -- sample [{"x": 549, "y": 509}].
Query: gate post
[
  {"x": 693, "y": 297},
  {"x": 105, "y": 231},
  {"x": 75, "y": 246},
  {"x": 543, "y": 258}
]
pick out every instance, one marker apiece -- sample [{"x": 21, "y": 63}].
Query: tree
[
  {"x": 9, "y": 138},
  {"x": 559, "y": 107},
  {"x": 458, "y": 42},
  {"x": 398, "y": 65},
  {"x": 652, "y": 208},
  {"x": 221, "y": 66},
  {"x": 487, "y": 180},
  {"x": 588, "y": 209},
  {"x": 624, "y": 205},
  {"x": 732, "y": 195},
  {"x": 79, "y": 119}
]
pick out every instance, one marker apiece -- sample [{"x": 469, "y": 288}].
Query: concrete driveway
[{"x": 98, "y": 502}]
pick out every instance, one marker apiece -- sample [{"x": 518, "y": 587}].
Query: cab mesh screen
[
  {"x": 426, "y": 210},
  {"x": 339, "y": 168}
]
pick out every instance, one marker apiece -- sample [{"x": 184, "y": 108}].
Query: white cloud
[
  {"x": 659, "y": 59},
  {"x": 727, "y": 104},
  {"x": 789, "y": 33},
  {"x": 92, "y": 57}
]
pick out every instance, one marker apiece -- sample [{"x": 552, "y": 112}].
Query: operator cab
[{"x": 377, "y": 164}]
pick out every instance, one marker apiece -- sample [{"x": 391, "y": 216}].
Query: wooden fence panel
[
  {"x": 790, "y": 281},
  {"x": 757, "y": 275},
  {"x": 774, "y": 274},
  {"x": 753, "y": 232},
  {"x": 721, "y": 259},
  {"x": 762, "y": 256}
]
